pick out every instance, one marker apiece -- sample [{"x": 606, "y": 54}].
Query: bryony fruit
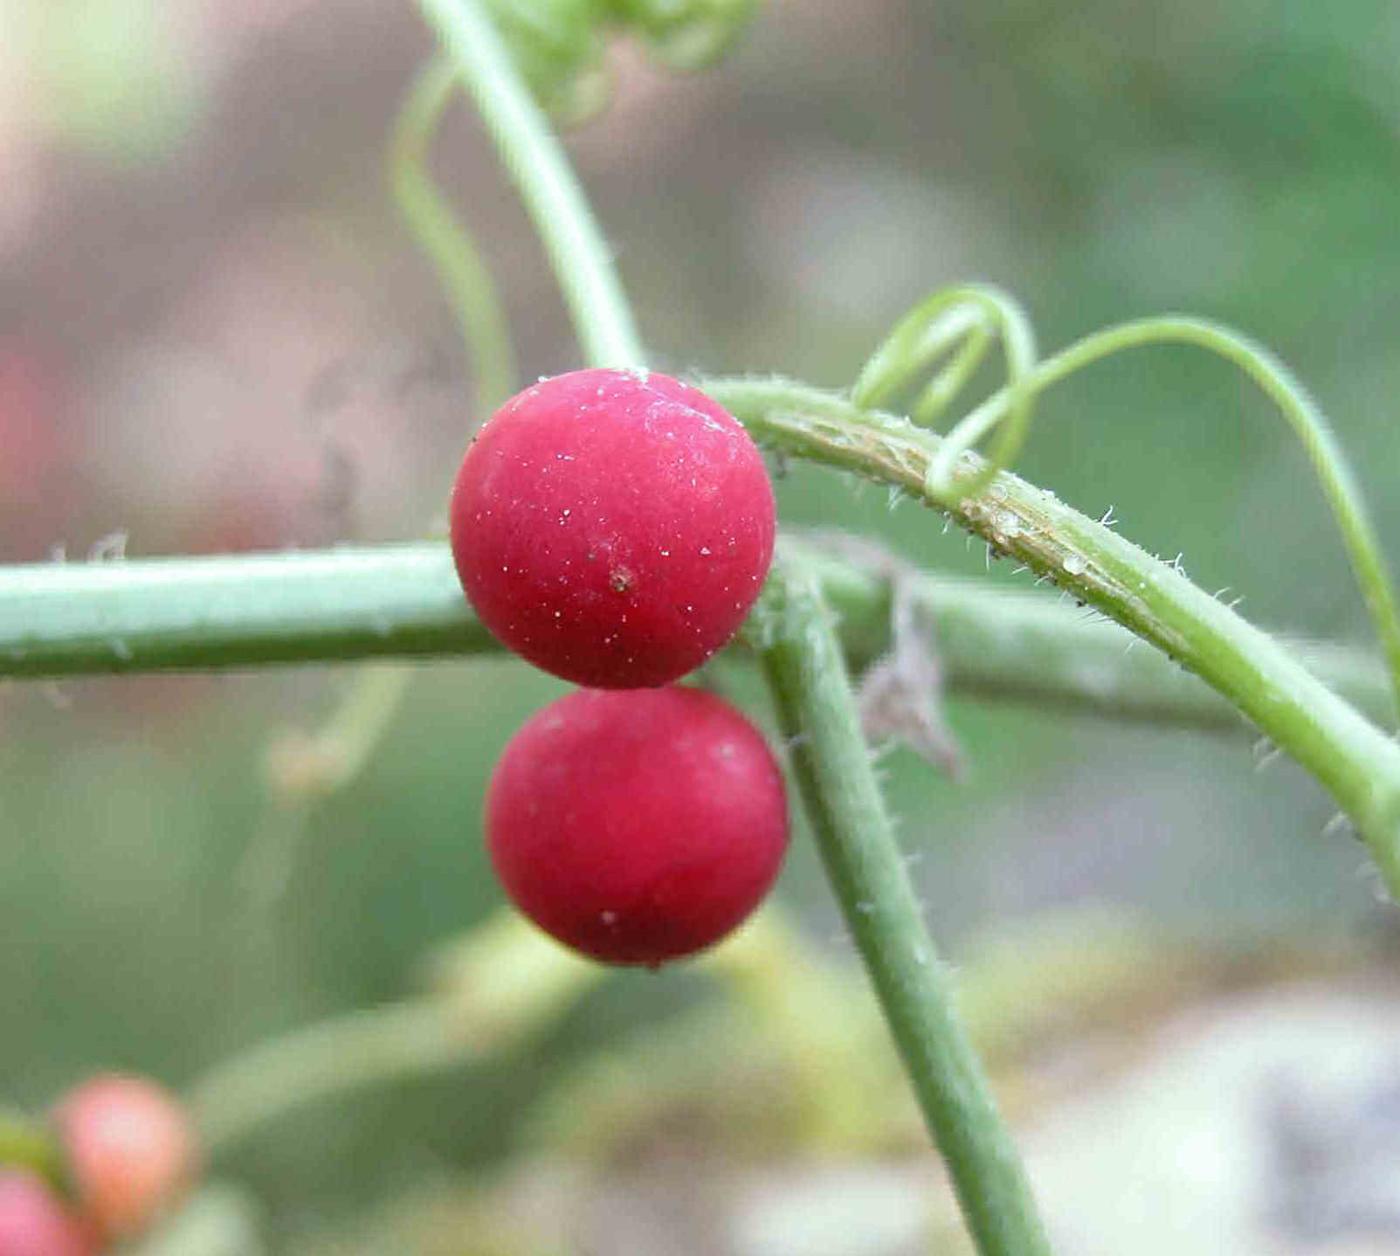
[
  {"x": 130, "y": 1151},
  {"x": 35, "y": 1222},
  {"x": 612, "y": 527},
  {"x": 639, "y": 826}
]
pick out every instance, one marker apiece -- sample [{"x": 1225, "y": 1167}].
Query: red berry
[
  {"x": 613, "y": 527},
  {"x": 637, "y": 826},
  {"x": 130, "y": 1149},
  {"x": 35, "y": 1222}
]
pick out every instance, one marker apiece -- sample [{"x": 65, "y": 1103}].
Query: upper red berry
[
  {"x": 637, "y": 826},
  {"x": 35, "y": 1222},
  {"x": 130, "y": 1151},
  {"x": 613, "y": 527}
]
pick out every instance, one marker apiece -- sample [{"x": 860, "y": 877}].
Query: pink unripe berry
[
  {"x": 637, "y": 826},
  {"x": 130, "y": 1148},
  {"x": 35, "y": 1222},
  {"x": 613, "y": 527}
]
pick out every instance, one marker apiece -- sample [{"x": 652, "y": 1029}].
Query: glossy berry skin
[
  {"x": 130, "y": 1151},
  {"x": 612, "y": 527},
  {"x": 637, "y": 826},
  {"x": 35, "y": 1222}
]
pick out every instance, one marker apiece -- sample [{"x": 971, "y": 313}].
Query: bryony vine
[
  {"x": 1347, "y": 753},
  {"x": 808, "y": 677},
  {"x": 404, "y": 602},
  {"x": 807, "y": 674},
  {"x": 1352, "y": 757},
  {"x": 125, "y": 616},
  {"x": 959, "y": 324}
]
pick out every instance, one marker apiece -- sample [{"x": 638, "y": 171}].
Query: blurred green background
[{"x": 215, "y": 335}]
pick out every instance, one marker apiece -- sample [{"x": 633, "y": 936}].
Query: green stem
[
  {"x": 499, "y": 986},
  {"x": 931, "y": 330},
  {"x": 64, "y": 619},
  {"x": 403, "y": 601},
  {"x": 461, "y": 269},
  {"x": 330, "y": 758},
  {"x": 1334, "y": 472},
  {"x": 547, "y": 184},
  {"x": 863, "y": 861},
  {"x": 1023, "y": 646},
  {"x": 1357, "y": 762},
  {"x": 359, "y": 1049}
]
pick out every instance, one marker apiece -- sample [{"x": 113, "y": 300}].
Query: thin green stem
[
  {"x": 495, "y": 989},
  {"x": 440, "y": 233},
  {"x": 547, "y": 184},
  {"x": 938, "y": 395},
  {"x": 179, "y": 614},
  {"x": 802, "y": 657},
  {"x": 404, "y": 601},
  {"x": 1353, "y": 758},
  {"x": 304, "y": 768},
  {"x": 359, "y": 1049},
  {"x": 1334, "y": 472},
  {"x": 958, "y": 321}
]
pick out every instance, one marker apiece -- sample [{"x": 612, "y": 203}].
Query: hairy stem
[
  {"x": 1273, "y": 378},
  {"x": 1353, "y": 758},
  {"x": 65, "y": 619},
  {"x": 803, "y": 660},
  {"x": 547, "y": 184},
  {"x": 403, "y": 601}
]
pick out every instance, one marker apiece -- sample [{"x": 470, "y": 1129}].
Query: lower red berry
[
  {"x": 130, "y": 1151},
  {"x": 637, "y": 826},
  {"x": 613, "y": 527},
  {"x": 35, "y": 1222}
]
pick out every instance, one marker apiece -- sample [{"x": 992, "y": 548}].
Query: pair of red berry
[
  {"x": 614, "y": 527},
  {"x": 128, "y": 1152}
]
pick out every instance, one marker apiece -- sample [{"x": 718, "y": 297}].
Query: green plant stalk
[
  {"x": 547, "y": 184},
  {"x": 358, "y": 1049},
  {"x": 404, "y": 602},
  {"x": 1333, "y": 470},
  {"x": 349, "y": 735},
  {"x": 802, "y": 657},
  {"x": 440, "y": 233},
  {"x": 495, "y": 989},
  {"x": 1353, "y": 758},
  {"x": 64, "y": 619},
  {"x": 931, "y": 330}
]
